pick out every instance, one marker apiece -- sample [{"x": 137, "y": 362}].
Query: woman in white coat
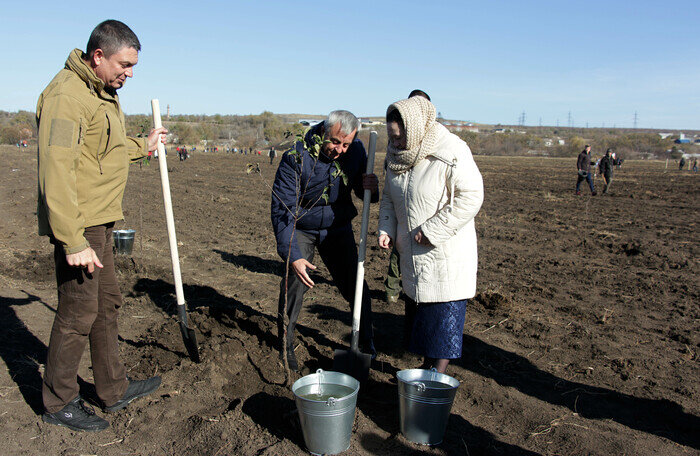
[{"x": 432, "y": 192}]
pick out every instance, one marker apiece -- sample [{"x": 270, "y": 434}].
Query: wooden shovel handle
[{"x": 170, "y": 221}]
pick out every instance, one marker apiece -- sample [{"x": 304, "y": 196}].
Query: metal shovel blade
[
  {"x": 188, "y": 335},
  {"x": 352, "y": 362}
]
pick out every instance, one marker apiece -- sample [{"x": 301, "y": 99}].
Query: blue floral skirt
[{"x": 436, "y": 328}]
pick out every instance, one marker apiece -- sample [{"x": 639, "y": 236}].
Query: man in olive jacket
[{"x": 83, "y": 162}]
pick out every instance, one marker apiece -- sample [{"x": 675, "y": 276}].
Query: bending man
[{"x": 312, "y": 191}]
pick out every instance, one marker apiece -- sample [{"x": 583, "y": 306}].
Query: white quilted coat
[{"x": 440, "y": 195}]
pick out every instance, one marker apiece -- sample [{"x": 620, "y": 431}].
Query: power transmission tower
[
  {"x": 635, "y": 119},
  {"x": 557, "y": 123},
  {"x": 540, "y": 121},
  {"x": 586, "y": 124},
  {"x": 570, "y": 123}
]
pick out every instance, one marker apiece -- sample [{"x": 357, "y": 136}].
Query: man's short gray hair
[{"x": 347, "y": 120}]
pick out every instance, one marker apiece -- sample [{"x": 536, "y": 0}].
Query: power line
[
  {"x": 521, "y": 119},
  {"x": 635, "y": 119}
]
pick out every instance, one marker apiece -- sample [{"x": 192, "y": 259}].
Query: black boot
[
  {"x": 135, "y": 390},
  {"x": 78, "y": 416},
  {"x": 367, "y": 346},
  {"x": 291, "y": 359}
]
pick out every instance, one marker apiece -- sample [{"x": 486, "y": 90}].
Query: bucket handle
[
  {"x": 319, "y": 372},
  {"x": 433, "y": 372},
  {"x": 331, "y": 400},
  {"x": 419, "y": 385}
]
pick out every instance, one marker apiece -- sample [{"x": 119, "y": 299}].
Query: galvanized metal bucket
[
  {"x": 425, "y": 400},
  {"x": 123, "y": 241},
  {"x": 326, "y": 403}
]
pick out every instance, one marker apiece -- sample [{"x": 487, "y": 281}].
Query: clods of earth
[{"x": 583, "y": 337}]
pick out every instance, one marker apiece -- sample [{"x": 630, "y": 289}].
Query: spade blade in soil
[
  {"x": 188, "y": 335},
  {"x": 352, "y": 362}
]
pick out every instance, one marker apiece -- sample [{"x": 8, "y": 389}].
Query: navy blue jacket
[{"x": 311, "y": 176}]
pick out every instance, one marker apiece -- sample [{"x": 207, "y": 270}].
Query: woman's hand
[
  {"x": 385, "y": 241},
  {"x": 421, "y": 238}
]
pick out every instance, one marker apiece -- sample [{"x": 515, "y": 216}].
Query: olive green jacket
[{"x": 83, "y": 155}]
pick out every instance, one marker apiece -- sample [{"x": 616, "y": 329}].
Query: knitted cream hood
[{"x": 421, "y": 129}]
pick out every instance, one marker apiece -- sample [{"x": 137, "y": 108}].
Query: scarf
[{"x": 421, "y": 130}]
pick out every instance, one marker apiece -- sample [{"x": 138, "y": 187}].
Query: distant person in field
[
  {"x": 392, "y": 284},
  {"x": 681, "y": 164},
  {"x": 432, "y": 192},
  {"x": 313, "y": 185},
  {"x": 83, "y": 162},
  {"x": 606, "y": 170},
  {"x": 695, "y": 165},
  {"x": 583, "y": 165},
  {"x": 272, "y": 154}
]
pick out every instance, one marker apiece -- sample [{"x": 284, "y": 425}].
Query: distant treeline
[
  {"x": 268, "y": 129},
  {"x": 540, "y": 141}
]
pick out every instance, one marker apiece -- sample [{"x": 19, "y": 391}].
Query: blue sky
[{"x": 481, "y": 61}]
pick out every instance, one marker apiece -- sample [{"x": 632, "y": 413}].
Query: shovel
[
  {"x": 188, "y": 335},
  {"x": 353, "y": 362}
]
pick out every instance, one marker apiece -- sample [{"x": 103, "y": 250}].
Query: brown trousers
[{"x": 87, "y": 310}]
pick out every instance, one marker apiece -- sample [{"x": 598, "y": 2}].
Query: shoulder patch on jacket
[{"x": 61, "y": 133}]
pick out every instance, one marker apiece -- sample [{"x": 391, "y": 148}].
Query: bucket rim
[
  {"x": 129, "y": 231},
  {"x": 411, "y": 376},
  {"x": 336, "y": 378}
]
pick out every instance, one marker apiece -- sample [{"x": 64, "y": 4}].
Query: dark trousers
[
  {"x": 588, "y": 177},
  {"x": 392, "y": 283},
  {"x": 87, "y": 311},
  {"x": 339, "y": 253},
  {"x": 607, "y": 179}
]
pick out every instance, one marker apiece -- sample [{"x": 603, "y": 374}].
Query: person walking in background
[
  {"x": 272, "y": 154},
  {"x": 695, "y": 165},
  {"x": 681, "y": 164},
  {"x": 432, "y": 192},
  {"x": 583, "y": 165},
  {"x": 83, "y": 162},
  {"x": 392, "y": 283},
  {"x": 606, "y": 170}
]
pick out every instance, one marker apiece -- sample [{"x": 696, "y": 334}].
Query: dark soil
[{"x": 583, "y": 337}]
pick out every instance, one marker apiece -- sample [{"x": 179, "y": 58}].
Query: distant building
[
  {"x": 367, "y": 122},
  {"x": 310, "y": 122},
  {"x": 682, "y": 139},
  {"x": 665, "y": 135},
  {"x": 549, "y": 142},
  {"x": 460, "y": 126}
]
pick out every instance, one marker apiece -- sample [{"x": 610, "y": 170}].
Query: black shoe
[
  {"x": 135, "y": 390},
  {"x": 368, "y": 348},
  {"x": 78, "y": 416},
  {"x": 291, "y": 359}
]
